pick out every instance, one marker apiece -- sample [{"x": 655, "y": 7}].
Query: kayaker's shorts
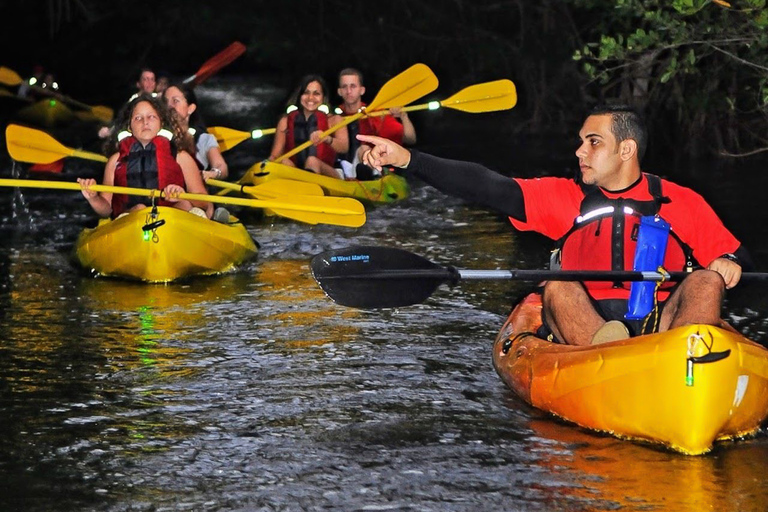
[
  {"x": 615, "y": 309},
  {"x": 612, "y": 309}
]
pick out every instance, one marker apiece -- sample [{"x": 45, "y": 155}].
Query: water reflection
[{"x": 632, "y": 477}]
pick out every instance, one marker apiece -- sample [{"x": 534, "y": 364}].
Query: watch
[{"x": 732, "y": 257}]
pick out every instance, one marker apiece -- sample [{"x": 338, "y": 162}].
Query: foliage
[{"x": 697, "y": 67}]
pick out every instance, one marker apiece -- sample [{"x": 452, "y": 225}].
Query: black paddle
[{"x": 384, "y": 277}]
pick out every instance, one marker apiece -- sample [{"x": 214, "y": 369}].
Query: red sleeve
[
  {"x": 551, "y": 205},
  {"x": 391, "y": 129},
  {"x": 697, "y": 224}
]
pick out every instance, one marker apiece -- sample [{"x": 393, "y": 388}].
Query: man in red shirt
[
  {"x": 395, "y": 126},
  {"x": 595, "y": 215}
]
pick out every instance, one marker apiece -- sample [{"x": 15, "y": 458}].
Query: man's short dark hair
[
  {"x": 626, "y": 123},
  {"x": 353, "y": 72}
]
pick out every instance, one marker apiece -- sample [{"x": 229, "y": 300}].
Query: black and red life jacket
[
  {"x": 152, "y": 166},
  {"x": 299, "y": 129},
  {"x": 604, "y": 235}
]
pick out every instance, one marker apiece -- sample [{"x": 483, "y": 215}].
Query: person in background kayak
[
  {"x": 145, "y": 84},
  {"x": 306, "y": 120},
  {"x": 146, "y": 154},
  {"x": 162, "y": 82},
  {"x": 395, "y": 126},
  {"x": 183, "y": 101},
  {"x": 589, "y": 217},
  {"x": 27, "y": 87}
]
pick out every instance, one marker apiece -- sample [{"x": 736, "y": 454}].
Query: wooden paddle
[
  {"x": 37, "y": 147},
  {"x": 485, "y": 97},
  {"x": 11, "y": 78},
  {"x": 408, "y": 86},
  {"x": 229, "y": 138},
  {"x": 324, "y": 210},
  {"x": 216, "y": 63},
  {"x": 383, "y": 277}
]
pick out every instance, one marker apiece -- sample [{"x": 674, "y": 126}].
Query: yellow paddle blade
[
  {"x": 103, "y": 113},
  {"x": 327, "y": 206},
  {"x": 408, "y": 86},
  {"x": 308, "y": 202},
  {"x": 486, "y": 97},
  {"x": 229, "y": 138},
  {"x": 272, "y": 189},
  {"x": 413, "y": 83},
  {"x": 37, "y": 147},
  {"x": 340, "y": 211},
  {"x": 9, "y": 77}
]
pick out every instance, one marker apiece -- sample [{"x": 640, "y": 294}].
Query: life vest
[
  {"x": 153, "y": 167},
  {"x": 299, "y": 129},
  {"x": 604, "y": 235},
  {"x": 381, "y": 126}
]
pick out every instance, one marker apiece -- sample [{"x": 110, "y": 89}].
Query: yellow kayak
[
  {"x": 171, "y": 245},
  {"x": 47, "y": 113},
  {"x": 685, "y": 388},
  {"x": 387, "y": 189}
]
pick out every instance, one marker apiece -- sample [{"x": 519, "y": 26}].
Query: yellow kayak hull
[
  {"x": 184, "y": 245},
  {"x": 642, "y": 388},
  {"x": 388, "y": 189},
  {"x": 48, "y": 113}
]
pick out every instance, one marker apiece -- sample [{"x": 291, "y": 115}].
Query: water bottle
[{"x": 651, "y": 246}]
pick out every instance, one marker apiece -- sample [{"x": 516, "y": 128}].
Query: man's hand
[
  {"x": 384, "y": 152},
  {"x": 730, "y": 270}
]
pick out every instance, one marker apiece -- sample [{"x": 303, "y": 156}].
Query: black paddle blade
[{"x": 377, "y": 277}]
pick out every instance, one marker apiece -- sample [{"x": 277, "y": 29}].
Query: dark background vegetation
[{"x": 700, "y": 88}]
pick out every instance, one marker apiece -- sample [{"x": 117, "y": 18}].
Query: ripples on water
[{"x": 252, "y": 391}]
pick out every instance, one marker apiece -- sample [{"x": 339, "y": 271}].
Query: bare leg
[
  {"x": 317, "y": 166},
  {"x": 569, "y": 312},
  {"x": 697, "y": 300}
]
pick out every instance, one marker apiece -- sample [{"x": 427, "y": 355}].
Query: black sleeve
[
  {"x": 470, "y": 181},
  {"x": 744, "y": 259}
]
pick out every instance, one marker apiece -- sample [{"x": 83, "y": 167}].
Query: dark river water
[{"x": 253, "y": 391}]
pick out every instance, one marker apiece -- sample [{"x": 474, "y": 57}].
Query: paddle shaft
[
  {"x": 450, "y": 274},
  {"x": 375, "y": 277},
  {"x": 301, "y": 147},
  {"x": 254, "y": 203}
]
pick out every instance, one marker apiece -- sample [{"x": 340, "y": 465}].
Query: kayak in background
[{"x": 387, "y": 189}]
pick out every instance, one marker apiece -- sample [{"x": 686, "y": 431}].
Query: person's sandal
[
  {"x": 196, "y": 210},
  {"x": 221, "y": 215},
  {"x": 612, "y": 330}
]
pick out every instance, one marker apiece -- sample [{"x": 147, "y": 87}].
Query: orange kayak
[{"x": 685, "y": 388}]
